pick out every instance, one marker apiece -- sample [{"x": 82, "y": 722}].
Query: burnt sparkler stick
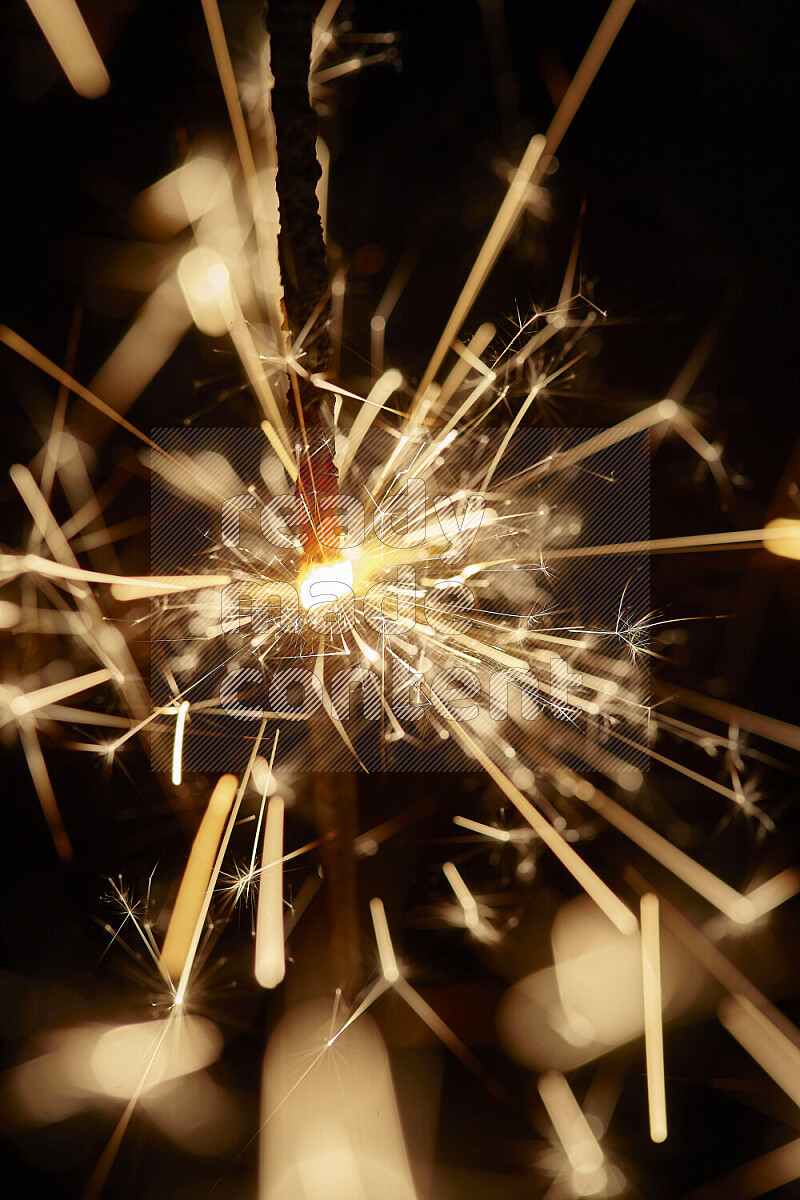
[{"x": 307, "y": 301}]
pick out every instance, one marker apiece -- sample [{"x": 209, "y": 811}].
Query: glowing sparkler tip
[{"x": 326, "y": 583}]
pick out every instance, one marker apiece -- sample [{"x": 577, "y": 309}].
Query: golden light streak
[
  {"x": 774, "y": 892},
  {"x": 230, "y": 91},
  {"x": 20, "y": 346},
  {"x": 510, "y": 211},
  {"x": 726, "y": 899},
  {"x": 381, "y": 391},
  {"x": 782, "y": 537},
  {"x": 30, "y": 702},
  {"x": 501, "y": 835},
  {"x": 653, "y": 1031},
  {"x": 196, "y": 877},
  {"x": 713, "y": 960},
  {"x": 572, "y": 1129},
  {"x": 530, "y": 172},
  {"x": 183, "y": 982},
  {"x": 774, "y": 1052},
  {"x": 154, "y": 334},
  {"x": 44, "y": 790},
  {"x": 65, "y": 29},
  {"x": 740, "y": 539},
  {"x": 774, "y": 730},
  {"x": 277, "y": 445},
  {"x": 463, "y": 895},
  {"x": 270, "y": 963},
  {"x": 383, "y": 938},
  {"x": 159, "y": 585},
  {"x": 177, "y": 745},
  {"x": 617, "y": 912}
]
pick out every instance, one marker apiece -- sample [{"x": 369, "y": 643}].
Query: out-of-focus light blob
[
  {"x": 205, "y": 282},
  {"x": 581, "y": 1147},
  {"x": 591, "y": 1001},
  {"x": 330, "y": 1124},
  {"x": 166, "y": 1049},
  {"x": 782, "y": 537},
  {"x": 117, "y": 1061},
  {"x": 191, "y": 893},
  {"x": 65, "y": 29},
  {"x": 182, "y": 197},
  {"x": 270, "y": 966},
  {"x": 156, "y": 331}
]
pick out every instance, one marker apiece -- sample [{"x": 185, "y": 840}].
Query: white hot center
[{"x": 326, "y": 583}]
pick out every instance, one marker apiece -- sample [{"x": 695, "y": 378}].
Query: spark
[
  {"x": 270, "y": 965},
  {"x": 653, "y": 1033}
]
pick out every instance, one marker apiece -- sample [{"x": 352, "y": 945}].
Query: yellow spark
[
  {"x": 270, "y": 965},
  {"x": 177, "y": 745},
  {"x": 653, "y": 1032}
]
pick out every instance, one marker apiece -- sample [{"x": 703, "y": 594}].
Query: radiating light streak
[
  {"x": 270, "y": 963},
  {"x": 468, "y": 357},
  {"x": 463, "y": 895},
  {"x": 196, "y": 876},
  {"x": 500, "y": 835},
  {"x": 782, "y": 537},
  {"x": 530, "y": 171},
  {"x": 44, "y": 789},
  {"x": 394, "y": 290},
  {"x": 653, "y": 1031},
  {"x": 774, "y": 892},
  {"x": 726, "y": 899},
  {"x": 277, "y": 445},
  {"x": 581, "y": 1147},
  {"x": 267, "y": 780},
  {"x": 242, "y": 339},
  {"x": 183, "y": 982},
  {"x": 776, "y": 1169},
  {"x": 65, "y": 29},
  {"x": 617, "y": 912},
  {"x": 773, "y": 1052},
  {"x": 445, "y": 1034},
  {"x": 160, "y": 585},
  {"x": 383, "y": 938},
  {"x": 230, "y": 91},
  {"x": 100, "y": 1174},
  {"x": 510, "y": 211},
  {"x": 381, "y": 391},
  {"x": 177, "y": 745},
  {"x": 153, "y": 336},
  {"x": 11, "y": 339},
  {"x": 770, "y": 728},
  {"x": 713, "y": 960},
  {"x": 740, "y": 539},
  {"x": 31, "y": 702}
]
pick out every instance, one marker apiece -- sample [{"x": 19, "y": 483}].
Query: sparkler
[{"x": 451, "y": 585}]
